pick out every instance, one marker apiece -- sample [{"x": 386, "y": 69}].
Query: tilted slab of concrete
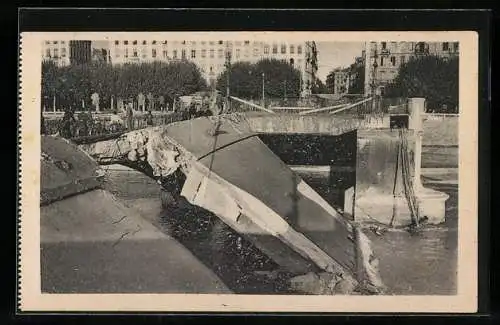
[
  {"x": 93, "y": 243},
  {"x": 255, "y": 193}
]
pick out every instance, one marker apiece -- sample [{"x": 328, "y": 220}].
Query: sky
[
  {"x": 100, "y": 44},
  {"x": 332, "y": 55}
]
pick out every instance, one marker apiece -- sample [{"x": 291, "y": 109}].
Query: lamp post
[
  {"x": 228, "y": 69},
  {"x": 284, "y": 90},
  {"x": 263, "y": 90},
  {"x": 374, "y": 76}
]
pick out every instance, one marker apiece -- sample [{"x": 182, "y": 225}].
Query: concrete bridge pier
[{"x": 388, "y": 186}]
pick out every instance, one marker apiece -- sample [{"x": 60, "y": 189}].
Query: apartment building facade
[
  {"x": 341, "y": 82},
  {"x": 384, "y": 59},
  {"x": 210, "y": 55},
  {"x": 63, "y": 52},
  {"x": 56, "y": 51}
]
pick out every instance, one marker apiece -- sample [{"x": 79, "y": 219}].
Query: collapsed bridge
[{"x": 230, "y": 172}]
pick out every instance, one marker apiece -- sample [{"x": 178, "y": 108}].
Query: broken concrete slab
[
  {"x": 278, "y": 212},
  {"x": 91, "y": 242}
]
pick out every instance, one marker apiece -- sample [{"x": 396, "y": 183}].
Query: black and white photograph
[{"x": 247, "y": 164}]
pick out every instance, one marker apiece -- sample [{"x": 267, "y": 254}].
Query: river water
[{"x": 422, "y": 263}]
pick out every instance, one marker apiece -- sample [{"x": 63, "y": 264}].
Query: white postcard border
[{"x": 32, "y": 299}]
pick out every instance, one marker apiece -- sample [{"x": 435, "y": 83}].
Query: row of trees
[
  {"x": 71, "y": 85},
  {"x": 276, "y": 78},
  {"x": 431, "y": 77}
]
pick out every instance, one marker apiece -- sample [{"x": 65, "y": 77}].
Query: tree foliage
[
  {"x": 430, "y": 77},
  {"x": 76, "y": 83},
  {"x": 319, "y": 87},
  {"x": 246, "y": 79}
]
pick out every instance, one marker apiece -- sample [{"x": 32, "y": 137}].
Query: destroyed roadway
[
  {"x": 93, "y": 243},
  {"x": 231, "y": 173}
]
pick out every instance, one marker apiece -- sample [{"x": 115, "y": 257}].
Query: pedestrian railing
[{"x": 101, "y": 124}]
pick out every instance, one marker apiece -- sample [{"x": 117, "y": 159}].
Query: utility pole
[
  {"x": 374, "y": 76},
  {"x": 228, "y": 69},
  {"x": 263, "y": 90}
]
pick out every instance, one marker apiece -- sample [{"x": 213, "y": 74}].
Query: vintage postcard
[{"x": 248, "y": 171}]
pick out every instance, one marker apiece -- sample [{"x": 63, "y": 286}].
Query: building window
[
  {"x": 212, "y": 52},
  {"x": 153, "y": 42},
  {"x": 203, "y": 53},
  {"x": 63, "y": 42},
  {"x": 183, "y": 54},
  {"x": 446, "y": 46},
  {"x": 393, "y": 60},
  {"x": 193, "y": 54},
  {"x": 382, "y": 61},
  {"x": 126, "y": 53},
  {"x": 221, "y": 42},
  {"x": 47, "y": 42},
  {"x": 117, "y": 42},
  {"x": 402, "y": 60},
  {"x": 299, "y": 49},
  {"x": 125, "y": 42},
  {"x": 237, "y": 53},
  {"x": 183, "y": 42},
  {"x": 292, "y": 49},
  {"x": 134, "y": 43},
  {"x": 175, "y": 54},
  {"x": 220, "y": 53},
  {"x": 63, "y": 52},
  {"x": 165, "y": 42},
  {"x": 153, "y": 53},
  {"x": 56, "y": 53},
  {"x": 143, "y": 55},
  {"x": 203, "y": 42},
  {"x": 456, "y": 46},
  {"x": 47, "y": 53},
  {"x": 275, "y": 49},
  {"x": 291, "y": 62},
  {"x": 266, "y": 49},
  {"x": 55, "y": 42},
  {"x": 144, "y": 42},
  {"x": 255, "y": 52},
  {"x": 247, "y": 42},
  {"x": 165, "y": 54},
  {"x": 384, "y": 45},
  {"x": 283, "y": 49},
  {"x": 135, "y": 53}
]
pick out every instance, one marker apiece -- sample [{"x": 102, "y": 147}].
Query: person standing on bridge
[
  {"x": 149, "y": 119},
  {"x": 130, "y": 116},
  {"x": 67, "y": 123}
]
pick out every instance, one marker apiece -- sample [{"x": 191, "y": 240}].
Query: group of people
[{"x": 85, "y": 124}]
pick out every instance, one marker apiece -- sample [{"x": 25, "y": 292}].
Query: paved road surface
[{"x": 93, "y": 244}]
